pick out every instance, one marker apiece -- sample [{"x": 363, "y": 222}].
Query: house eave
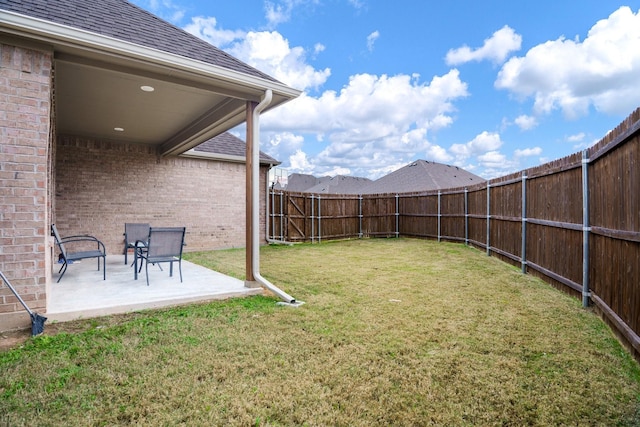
[{"x": 74, "y": 38}]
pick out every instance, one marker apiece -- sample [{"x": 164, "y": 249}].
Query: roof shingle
[
  {"x": 125, "y": 21},
  {"x": 230, "y": 145}
]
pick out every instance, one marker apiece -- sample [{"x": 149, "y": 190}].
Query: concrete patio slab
[{"x": 83, "y": 294}]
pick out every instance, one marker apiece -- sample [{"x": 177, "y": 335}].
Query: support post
[
  {"x": 523, "y": 251},
  {"x": 466, "y": 216},
  {"x": 360, "y": 216},
  {"x": 397, "y": 216},
  {"x": 488, "y": 219},
  {"x": 248, "y": 193},
  {"x": 586, "y": 293},
  {"x": 319, "y": 222},
  {"x": 439, "y": 215},
  {"x": 313, "y": 224}
]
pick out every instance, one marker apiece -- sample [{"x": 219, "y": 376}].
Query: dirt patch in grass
[{"x": 393, "y": 332}]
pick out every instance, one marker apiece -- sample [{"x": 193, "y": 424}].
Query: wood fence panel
[
  {"x": 477, "y": 210},
  {"x": 379, "y": 216},
  {"x": 615, "y": 276},
  {"x": 299, "y": 214},
  {"x": 505, "y": 209},
  {"x": 614, "y": 269},
  {"x": 556, "y": 197},
  {"x": 418, "y": 215},
  {"x": 554, "y": 227},
  {"x": 452, "y": 221},
  {"x": 556, "y": 249},
  {"x": 339, "y": 217}
]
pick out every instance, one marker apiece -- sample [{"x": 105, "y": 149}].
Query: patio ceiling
[{"x": 108, "y": 100}]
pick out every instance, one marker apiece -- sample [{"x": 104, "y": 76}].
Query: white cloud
[
  {"x": 496, "y": 48},
  {"x": 528, "y": 152},
  {"x": 493, "y": 159},
  {"x": 206, "y": 29},
  {"x": 482, "y": 143},
  {"x": 268, "y": 51},
  {"x": 373, "y": 121},
  {"x": 299, "y": 163},
  {"x": 371, "y": 39},
  {"x": 603, "y": 70},
  {"x": 525, "y": 122},
  {"x": 578, "y": 137}
]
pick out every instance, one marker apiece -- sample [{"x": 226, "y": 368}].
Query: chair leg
[
  {"x": 180, "y": 268},
  {"x": 146, "y": 271},
  {"x": 63, "y": 269},
  {"x": 104, "y": 267},
  {"x": 126, "y": 251}
]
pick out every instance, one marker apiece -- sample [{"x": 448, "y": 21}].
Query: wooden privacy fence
[{"x": 575, "y": 222}]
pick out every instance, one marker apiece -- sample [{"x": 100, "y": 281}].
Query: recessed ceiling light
[
  {"x": 119, "y": 129},
  {"x": 147, "y": 88}
]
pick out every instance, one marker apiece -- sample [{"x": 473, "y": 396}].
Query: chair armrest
[{"x": 82, "y": 238}]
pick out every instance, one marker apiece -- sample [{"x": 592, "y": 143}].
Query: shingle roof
[
  {"x": 300, "y": 182},
  {"x": 230, "y": 145},
  {"x": 340, "y": 184},
  {"x": 125, "y": 21},
  {"x": 417, "y": 176},
  {"x": 422, "y": 175}
]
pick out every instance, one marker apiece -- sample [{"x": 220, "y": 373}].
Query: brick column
[{"x": 25, "y": 150}]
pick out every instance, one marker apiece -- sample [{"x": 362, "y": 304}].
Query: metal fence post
[
  {"x": 397, "y": 216},
  {"x": 360, "y": 216},
  {"x": 319, "y": 222},
  {"x": 466, "y": 216},
  {"x": 524, "y": 223},
  {"x": 272, "y": 215},
  {"x": 282, "y": 216},
  {"x": 488, "y": 218},
  {"x": 312, "y": 217},
  {"x": 439, "y": 215},
  {"x": 586, "y": 293}
]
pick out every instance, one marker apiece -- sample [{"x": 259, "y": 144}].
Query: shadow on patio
[{"x": 83, "y": 294}]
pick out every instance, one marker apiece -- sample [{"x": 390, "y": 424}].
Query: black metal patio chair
[
  {"x": 163, "y": 244},
  {"x": 86, "y": 241},
  {"x": 134, "y": 231}
]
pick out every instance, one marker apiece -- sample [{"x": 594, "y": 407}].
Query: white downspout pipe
[{"x": 255, "y": 204}]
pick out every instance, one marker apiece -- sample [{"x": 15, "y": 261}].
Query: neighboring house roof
[
  {"x": 300, "y": 182},
  {"x": 417, "y": 176},
  {"x": 340, "y": 184},
  {"x": 105, "y": 52},
  {"x": 422, "y": 175},
  {"x": 227, "y": 147}
]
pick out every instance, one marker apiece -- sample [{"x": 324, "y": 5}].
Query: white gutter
[{"x": 255, "y": 205}]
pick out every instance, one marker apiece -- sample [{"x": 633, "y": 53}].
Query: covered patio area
[{"x": 83, "y": 294}]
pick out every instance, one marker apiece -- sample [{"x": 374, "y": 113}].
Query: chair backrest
[
  {"x": 55, "y": 233},
  {"x": 165, "y": 242},
  {"x": 134, "y": 231}
]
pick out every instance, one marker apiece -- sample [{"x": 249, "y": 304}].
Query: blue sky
[{"x": 491, "y": 86}]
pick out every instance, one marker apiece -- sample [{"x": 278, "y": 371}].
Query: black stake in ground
[{"x": 37, "y": 321}]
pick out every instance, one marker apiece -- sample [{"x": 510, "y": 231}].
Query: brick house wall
[
  {"x": 100, "y": 185},
  {"x": 25, "y": 155}
]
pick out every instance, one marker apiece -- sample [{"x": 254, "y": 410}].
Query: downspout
[{"x": 255, "y": 197}]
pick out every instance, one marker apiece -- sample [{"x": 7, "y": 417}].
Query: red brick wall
[
  {"x": 25, "y": 104},
  {"x": 101, "y": 185}
]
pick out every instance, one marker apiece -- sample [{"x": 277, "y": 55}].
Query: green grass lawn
[{"x": 393, "y": 332}]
